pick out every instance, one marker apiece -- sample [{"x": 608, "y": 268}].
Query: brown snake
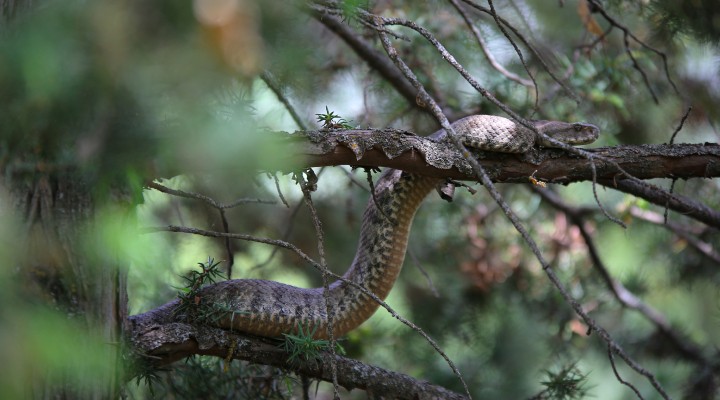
[{"x": 268, "y": 308}]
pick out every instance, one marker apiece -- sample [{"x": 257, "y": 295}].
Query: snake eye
[{"x": 577, "y": 127}]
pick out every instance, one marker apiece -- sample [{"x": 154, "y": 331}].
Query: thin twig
[
  {"x": 305, "y": 187},
  {"x": 680, "y": 126},
  {"x": 369, "y": 54},
  {"x": 228, "y": 248},
  {"x": 424, "y": 273},
  {"x": 654, "y": 194},
  {"x": 597, "y": 200},
  {"x": 288, "y": 229},
  {"x": 279, "y": 192},
  {"x": 490, "y": 57},
  {"x": 666, "y": 210},
  {"x": 619, "y": 378},
  {"x": 500, "y": 26},
  {"x": 527, "y": 44},
  {"x": 221, "y": 209},
  {"x": 368, "y": 175},
  {"x": 206, "y": 199},
  {"x": 638, "y": 67},
  {"x": 274, "y": 85},
  {"x": 598, "y": 7},
  {"x": 672, "y": 139},
  {"x": 704, "y": 248}
]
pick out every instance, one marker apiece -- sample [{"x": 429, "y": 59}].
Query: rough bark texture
[
  {"x": 57, "y": 267},
  {"x": 406, "y": 151},
  {"x": 173, "y": 341}
]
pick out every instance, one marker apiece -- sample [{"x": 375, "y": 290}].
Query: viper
[{"x": 268, "y": 308}]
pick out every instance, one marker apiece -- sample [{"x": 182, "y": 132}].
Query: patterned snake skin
[{"x": 268, "y": 308}]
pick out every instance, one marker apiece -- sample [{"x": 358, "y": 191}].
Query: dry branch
[
  {"x": 169, "y": 342},
  {"x": 315, "y": 149}
]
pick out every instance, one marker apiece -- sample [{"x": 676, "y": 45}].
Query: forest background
[{"x": 104, "y": 104}]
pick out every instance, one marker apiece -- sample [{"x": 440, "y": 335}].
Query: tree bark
[
  {"x": 85, "y": 285},
  {"x": 173, "y": 341},
  {"x": 404, "y": 150}
]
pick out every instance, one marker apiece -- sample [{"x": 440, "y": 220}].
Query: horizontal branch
[
  {"x": 167, "y": 342},
  {"x": 406, "y": 151},
  {"x": 676, "y": 202}
]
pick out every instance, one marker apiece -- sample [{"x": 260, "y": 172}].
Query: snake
[{"x": 271, "y": 309}]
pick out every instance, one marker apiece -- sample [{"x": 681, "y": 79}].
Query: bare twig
[
  {"x": 500, "y": 26},
  {"x": 228, "y": 247},
  {"x": 527, "y": 44},
  {"x": 490, "y": 57},
  {"x": 370, "y": 55},
  {"x": 207, "y": 200},
  {"x": 680, "y": 125},
  {"x": 627, "y": 32},
  {"x": 703, "y": 248},
  {"x": 638, "y": 67},
  {"x": 597, "y": 200},
  {"x": 230, "y": 256},
  {"x": 666, "y": 209},
  {"x": 274, "y": 85},
  {"x": 373, "y": 195},
  {"x": 288, "y": 229},
  {"x": 682, "y": 204},
  {"x": 424, "y": 273},
  {"x": 619, "y": 378},
  {"x": 305, "y": 187},
  {"x": 277, "y": 188}
]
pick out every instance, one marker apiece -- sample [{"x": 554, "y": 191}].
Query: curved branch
[{"x": 169, "y": 342}]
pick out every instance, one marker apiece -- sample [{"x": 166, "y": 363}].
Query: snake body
[{"x": 268, "y": 308}]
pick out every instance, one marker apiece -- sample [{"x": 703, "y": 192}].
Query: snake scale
[{"x": 268, "y": 308}]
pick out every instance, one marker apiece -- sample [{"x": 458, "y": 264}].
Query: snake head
[{"x": 574, "y": 133}]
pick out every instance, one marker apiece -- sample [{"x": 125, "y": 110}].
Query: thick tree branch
[
  {"x": 169, "y": 342},
  {"x": 403, "y": 150},
  {"x": 406, "y": 151}
]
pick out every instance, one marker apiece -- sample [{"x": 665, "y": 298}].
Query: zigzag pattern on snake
[{"x": 268, "y": 308}]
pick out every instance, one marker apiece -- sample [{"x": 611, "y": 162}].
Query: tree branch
[
  {"x": 164, "y": 343},
  {"x": 681, "y": 204},
  {"x": 403, "y": 150}
]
